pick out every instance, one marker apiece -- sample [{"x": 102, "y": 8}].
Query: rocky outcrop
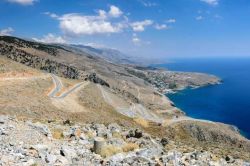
[
  {"x": 93, "y": 78},
  {"x": 209, "y": 133}
]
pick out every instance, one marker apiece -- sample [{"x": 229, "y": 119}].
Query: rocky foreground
[{"x": 64, "y": 143}]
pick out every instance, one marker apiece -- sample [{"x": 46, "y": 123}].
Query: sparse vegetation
[
  {"x": 116, "y": 135},
  {"x": 142, "y": 122},
  {"x": 90, "y": 134},
  {"x": 30, "y": 100},
  {"x": 130, "y": 147},
  {"x": 110, "y": 150},
  {"x": 172, "y": 85},
  {"x": 57, "y": 134}
]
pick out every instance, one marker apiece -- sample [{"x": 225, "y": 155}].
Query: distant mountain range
[
  {"x": 116, "y": 56},
  {"x": 109, "y": 54}
]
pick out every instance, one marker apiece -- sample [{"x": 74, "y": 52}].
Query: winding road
[
  {"x": 58, "y": 88},
  {"x": 66, "y": 99}
]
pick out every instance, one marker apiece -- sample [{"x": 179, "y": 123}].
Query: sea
[{"x": 228, "y": 102}]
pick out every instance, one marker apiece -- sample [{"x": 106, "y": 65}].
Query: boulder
[
  {"x": 149, "y": 152},
  {"x": 164, "y": 141},
  {"x": 41, "y": 149},
  {"x": 137, "y": 133},
  {"x": 114, "y": 128},
  {"x": 3, "y": 119},
  {"x": 50, "y": 159},
  {"x": 68, "y": 152},
  {"x": 41, "y": 128},
  {"x": 73, "y": 132}
]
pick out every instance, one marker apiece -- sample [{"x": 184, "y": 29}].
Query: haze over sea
[{"x": 228, "y": 103}]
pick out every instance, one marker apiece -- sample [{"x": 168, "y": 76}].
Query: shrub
[
  {"x": 130, "y": 147},
  {"x": 116, "y": 135},
  {"x": 90, "y": 134},
  {"x": 110, "y": 150},
  {"x": 57, "y": 134}
]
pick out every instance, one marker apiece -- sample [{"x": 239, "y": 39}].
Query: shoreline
[{"x": 188, "y": 117}]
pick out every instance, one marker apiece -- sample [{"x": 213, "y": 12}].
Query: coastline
[
  {"x": 169, "y": 91},
  {"x": 188, "y": 117}
]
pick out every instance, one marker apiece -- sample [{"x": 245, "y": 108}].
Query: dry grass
[
  {"x": 130, "y": 147},
  {"x": 117, "y": 135},
  {"x": 110, "y": 150},
  {"x": 142, "y": 122},
  {"x": 7, "y": 66},
  {"x": 98, "y": 110},
  {"x": 57, "y": 134},
  {"x": 90, "y": 134}
]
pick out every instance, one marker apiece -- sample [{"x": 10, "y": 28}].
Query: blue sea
[{"x": 228, "y": 102}]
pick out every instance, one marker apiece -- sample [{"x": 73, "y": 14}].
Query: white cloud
[
  {"x": 139, "y": 26},
  {"x": 211, "y": 2},
  {"x": 52, "y": 15},
  {"x": 147, "y": 3},
  {"x": 102, "y": 13},
  {"x": 23, "y": 2},
  {"x": 136, "y": 40},
  {"x": 172, "y": 20},
  {"x": 104, "y": 22},
  {"x": 6, "y": 32},
  {"x": 76, "y": 24},
  {"x": 199, "y": 18},
  {"x": 115, "y": 11},
  {"x": 161, "y": 27},
  {"x": 50, "y": 38},
  {"x": 95, "y": 45}
]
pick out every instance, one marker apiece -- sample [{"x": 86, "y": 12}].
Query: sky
[{"x": 150, "y": 28}]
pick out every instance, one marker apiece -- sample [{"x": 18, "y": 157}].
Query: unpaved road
[
  {"x": 67, "y": 100},
  {"x": 58, "y": 86},
  {"x": 133, "y": 110}
]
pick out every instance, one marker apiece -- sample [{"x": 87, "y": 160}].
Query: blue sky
[{"x": 151, "y": 28}]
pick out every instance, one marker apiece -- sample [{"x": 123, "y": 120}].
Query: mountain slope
[
  {"x": 41, "y": 81},
  {"x": 111, "y": 55}
]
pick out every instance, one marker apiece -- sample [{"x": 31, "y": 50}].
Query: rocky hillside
[
  {"x": 53, "y": 84},
  {"x": 64, "y": 143}
]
